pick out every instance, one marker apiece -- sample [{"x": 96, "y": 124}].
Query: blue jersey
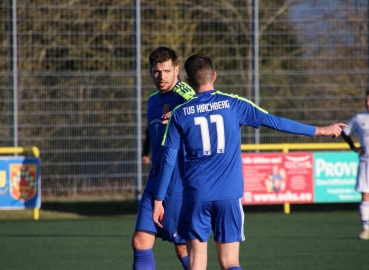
[
  {"x": 158, "y": 104},
  {"x": 209, "y": 125}
]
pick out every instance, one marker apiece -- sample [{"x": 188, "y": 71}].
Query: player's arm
[
  {"x": 351, "y": 143},
  {"x": 294, "y": 127},
  {"x": 146, "y": 148},
  {"x": 287, "y": 125},
  {"x": 165, "y": 175},
  {"x": 348, "y": 140}
]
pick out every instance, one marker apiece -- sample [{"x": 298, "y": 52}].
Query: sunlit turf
[{"x": 301, "y": 240}]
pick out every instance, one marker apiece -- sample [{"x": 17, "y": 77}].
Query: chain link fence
[{"x": 76, "y": 91}]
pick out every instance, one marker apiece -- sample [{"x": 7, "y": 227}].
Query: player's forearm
[
  {"x": 166, "y": 171},
  {"x": 287, "y": 125},
  {"x": 348, "y": 140}
]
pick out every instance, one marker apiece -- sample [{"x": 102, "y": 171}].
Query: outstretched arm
[{"x": 294, "y": 127}]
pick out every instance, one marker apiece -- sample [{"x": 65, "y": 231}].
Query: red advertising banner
[{"x": 276, "y": 178}]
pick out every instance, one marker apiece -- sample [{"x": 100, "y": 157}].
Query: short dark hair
[
  {"x": 199, "y": 69},
  {"x": 163, "y": 54}
]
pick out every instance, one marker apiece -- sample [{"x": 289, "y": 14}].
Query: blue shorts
[
  {"x": 225, "y": 218},
  {"x": 144, "y": 222}
]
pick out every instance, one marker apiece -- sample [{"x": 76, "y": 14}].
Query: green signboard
[{"x": 335, "y": 177}]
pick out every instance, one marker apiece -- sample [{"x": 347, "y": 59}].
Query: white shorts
[{"x": 362, "y": 182}]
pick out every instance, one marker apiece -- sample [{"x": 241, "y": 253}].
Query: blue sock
[
  {"x": 184, "y": 262},
  {"x": 143, "y": 259},
  {"x": 235, "y": 268}
]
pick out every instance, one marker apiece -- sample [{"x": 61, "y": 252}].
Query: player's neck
[{"x": 204, "y": 88}]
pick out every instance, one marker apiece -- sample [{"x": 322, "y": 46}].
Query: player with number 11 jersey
[{"x": 214, "y": 142}]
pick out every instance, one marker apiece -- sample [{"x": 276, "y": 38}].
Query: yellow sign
[{"x": 2, "y": 179}]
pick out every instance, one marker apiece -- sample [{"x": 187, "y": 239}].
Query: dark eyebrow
[{"x": 162, "y": 70}]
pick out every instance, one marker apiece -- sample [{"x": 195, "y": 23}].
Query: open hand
[{"x": 158, "y": 214}]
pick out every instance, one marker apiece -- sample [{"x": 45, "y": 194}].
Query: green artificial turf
[{"x": 300, "y": 240}]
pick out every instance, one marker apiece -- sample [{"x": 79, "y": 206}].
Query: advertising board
[{"x": 20, "y": 182}]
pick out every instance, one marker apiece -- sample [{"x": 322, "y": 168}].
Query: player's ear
[
  {"x": 214, "y": 76},
  {"x": 189, "y": 82}
]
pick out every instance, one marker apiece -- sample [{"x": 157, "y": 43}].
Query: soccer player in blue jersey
[
  {"x": 170, "y": 93},
  {"x": 359, "y": 124},
  {"x": 209, "y": 127}
]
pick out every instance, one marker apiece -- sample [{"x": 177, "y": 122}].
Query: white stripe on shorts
[
  {"x": 243, "y": 220},
  {"x": 362, "y": 182}
]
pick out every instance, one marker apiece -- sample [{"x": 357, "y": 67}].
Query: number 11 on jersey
[{"x": 205, "y": 134}]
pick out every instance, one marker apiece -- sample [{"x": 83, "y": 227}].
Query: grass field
[{"x": 97, "y": 236}]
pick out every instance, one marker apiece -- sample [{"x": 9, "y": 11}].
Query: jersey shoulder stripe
[
  {"x": 170, "y": 118},
  {"x": 239, "y": 98},
  {"x": 184, "y": 90},
  {"x": 154, "y": 93}
]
